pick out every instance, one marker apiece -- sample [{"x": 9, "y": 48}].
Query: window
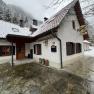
[
  {"x": 15, "y": 29},
  {"x": 6, "y": 50},
  {"x": 37, "y": 49},
  {"x": 70, "y": 48},
  {"x": 35, "y": 22},
  {"x": 78, "y": 48},
  {"x": 73, "y": 24}
]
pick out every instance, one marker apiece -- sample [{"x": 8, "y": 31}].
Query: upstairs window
[
  {"x": 35, "y": 22},
  {"x": 37, "y": 49},
  {"x": 73, "y": 24}
]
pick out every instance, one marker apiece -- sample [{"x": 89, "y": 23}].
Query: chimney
[
  {"x": 21, "y": 23},
  {"x": 32, "y": 29},
  {"x": 35, "y": 22},
  {"x": 45, "y": 18}
]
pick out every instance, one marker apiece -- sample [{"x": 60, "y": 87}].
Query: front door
[{"x": 20, "y": 51}]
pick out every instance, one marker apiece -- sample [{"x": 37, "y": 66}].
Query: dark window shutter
[
  {"x": 70, "y": 48},
  {"x": 78, "y": 48},
  {"x": 34, "y": 49},
  {"x": 38, "y": 49},
  {"x": 73, "y": 48}
]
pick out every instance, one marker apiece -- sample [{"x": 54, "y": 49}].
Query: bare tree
[{"x": 88, "y": 8}]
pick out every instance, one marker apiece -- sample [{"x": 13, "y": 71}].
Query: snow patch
[
  {"x": 86, "y": 41},
  {"x": 90, "y": 52}
]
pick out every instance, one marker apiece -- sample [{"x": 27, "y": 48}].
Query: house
[
  {"x": 6, "y": 46},
  {"x": 55, "y": 41}
]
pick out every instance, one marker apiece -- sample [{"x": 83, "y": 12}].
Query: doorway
[{"x": 20, "y": 51}]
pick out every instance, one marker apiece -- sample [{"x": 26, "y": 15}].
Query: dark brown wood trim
[
  {"x": 80, "y": 17},
  {"x": 44, "y": 34}
]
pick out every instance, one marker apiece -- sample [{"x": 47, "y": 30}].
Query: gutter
[{"x": 55, "y": 36}]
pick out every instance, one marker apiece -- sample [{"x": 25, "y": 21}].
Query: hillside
[{"x": 14, "y": 14}]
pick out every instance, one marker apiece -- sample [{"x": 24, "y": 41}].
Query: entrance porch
[{"x": 20, "y": 43}]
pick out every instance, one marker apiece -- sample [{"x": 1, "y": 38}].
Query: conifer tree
[
  {"x": 1, "y": 14},
  {"x": 8, "y": 16}
]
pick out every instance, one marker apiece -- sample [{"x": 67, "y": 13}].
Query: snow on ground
[{"x": 90, "y": 52}]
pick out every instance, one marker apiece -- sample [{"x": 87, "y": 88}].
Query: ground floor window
[
  {"x": 6, "y": 50},
  {"x": 78, "y": 48},
  {"x": 72, "y": 48},
  {"x": 37, "y": 49}
]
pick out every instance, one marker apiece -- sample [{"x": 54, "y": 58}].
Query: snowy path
[
  {"x": 90, "y": 52},
  {"x": 84, "y": 67}
]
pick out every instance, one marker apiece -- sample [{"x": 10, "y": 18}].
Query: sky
[
  {"x": 34, "y": 7},
  {"x": 39, "y": 8}
]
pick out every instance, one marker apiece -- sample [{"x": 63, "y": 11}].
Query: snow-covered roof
[
  {"x": 55, "y": 20},
  {"x": 9, "y": 28},
  {"x": 86, "y": 41}
]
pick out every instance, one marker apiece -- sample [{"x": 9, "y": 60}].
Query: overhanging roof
[
  {"x": 18, "y": 38},
  {"x": 55, "y": 21}
]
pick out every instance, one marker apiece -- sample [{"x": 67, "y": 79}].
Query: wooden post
[{"x": 12, "y": 55}]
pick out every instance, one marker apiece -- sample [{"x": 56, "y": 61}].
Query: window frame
[
  {"x": 6, "y": 50},
  {"x": 38, "y": 49},
  {"x": 73, "y": 24}
]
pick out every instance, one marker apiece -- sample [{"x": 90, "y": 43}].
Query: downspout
[{"x": 60, "y": 42}]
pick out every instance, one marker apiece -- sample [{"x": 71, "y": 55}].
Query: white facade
[
  {"x": 53, "y": 57},
  {"x": 4, "y": 42},
  {"x": 67, "y": 34}
]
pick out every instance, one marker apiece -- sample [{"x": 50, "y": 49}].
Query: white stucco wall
[
  {"x": 27, "y": 49},
  {"x": 53, "y": 57},
  {"x": 67, "y": 34},
  {"x": 4, "y": 42}
]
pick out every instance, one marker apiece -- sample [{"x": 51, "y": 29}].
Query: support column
[{"x": 12, "y": 55}]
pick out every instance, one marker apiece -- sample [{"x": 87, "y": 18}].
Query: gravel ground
[{"x": 34, "y": 78}]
